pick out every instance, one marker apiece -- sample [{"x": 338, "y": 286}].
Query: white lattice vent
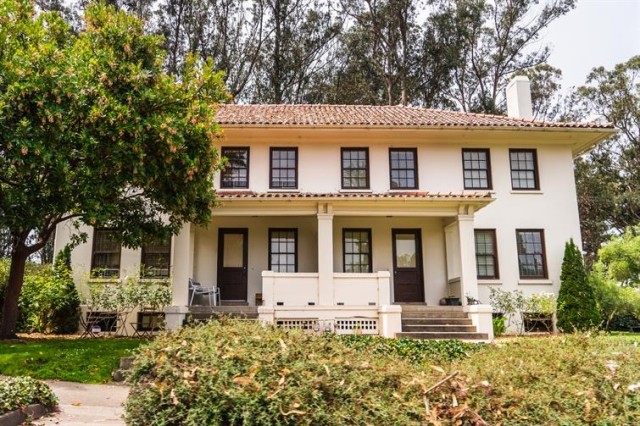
[
  {"x": 355, "y": 325},
  {"x": 304, "y": 324}
]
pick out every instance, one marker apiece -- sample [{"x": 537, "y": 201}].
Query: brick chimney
[{"x": 519, "y": 98}]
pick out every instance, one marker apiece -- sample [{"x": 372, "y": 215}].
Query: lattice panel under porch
[
  {"x": 304, "y": 324},
  {"x": 353, "y": 326}
]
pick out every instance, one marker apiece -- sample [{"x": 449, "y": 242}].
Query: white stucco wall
[{"x": 553, "y": 208}]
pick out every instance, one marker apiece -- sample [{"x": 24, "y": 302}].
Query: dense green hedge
[
  {"x": 49, "y": 300},
  {"x": 243, "y": 373},
  {"x": 18, "y": 392},
  {"x": 420, "y": 352}
]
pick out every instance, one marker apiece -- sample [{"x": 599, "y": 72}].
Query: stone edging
[{"x": 17, "y": 417}]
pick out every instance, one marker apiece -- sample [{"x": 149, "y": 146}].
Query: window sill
[
  {"x": 532, "y": 281},
  {"x": 110, "y": 280},
  {"x": 527, "y": 191},
  {"x": 233, "y": 190},
  {"x": 356, "y": 190},
  {"x": 489, "y": 282},
  {"x": 153, "y": 279}
]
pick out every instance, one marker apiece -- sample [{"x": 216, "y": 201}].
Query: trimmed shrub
[
  {"x": 18, "y": 392},
  {"x": 577, "y": 306},
  {"x": 49, "y": 300},
  {"x": 243, "y": 373}
]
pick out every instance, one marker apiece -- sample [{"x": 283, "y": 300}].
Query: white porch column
[
  {"x": 325, "y": 255},
  {"x": 468, "y": 274},
  {"x": 182, "y": 270},
  {"x": 182, "y": 262}
]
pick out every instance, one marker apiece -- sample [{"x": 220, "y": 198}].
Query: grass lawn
[{"x": 71, "y": 359}]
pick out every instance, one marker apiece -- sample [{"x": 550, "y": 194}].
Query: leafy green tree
[
  {"x": 608, "y": 181},
  {"x": 93, "y": 131},
  {"x": 616, "y": 302},
  {"x": 577, "y": 306},
  {"x": 619, "y": 259}
]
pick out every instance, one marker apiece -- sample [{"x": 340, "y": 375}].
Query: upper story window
[
  {"x": 236, "y": 173},
  {"x": 355, "y": 168},
  {"x": 486, "y": 254},
  {"x": 476, "y": 165},
  {"x": 283, "y": 250},
  {"x": 524, "y": 169},
  {"x": 155, "y": 259},
  {"x": 357, "y": 250},
  {"x": 403, "y": 168},
  {"x": 105, "y": 259},
  {"x": 531, "y": 254},
  {"x": 284, "y": 168}
]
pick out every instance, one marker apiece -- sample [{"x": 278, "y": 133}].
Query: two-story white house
[{"x": 347, "y": 214}]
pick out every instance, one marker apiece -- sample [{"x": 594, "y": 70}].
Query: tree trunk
[{"x": 14, "y": 286}]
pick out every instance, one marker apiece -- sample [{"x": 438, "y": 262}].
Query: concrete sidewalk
[{"x": 82, "y": 405}]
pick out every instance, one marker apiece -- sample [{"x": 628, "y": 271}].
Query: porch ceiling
[{"x": 433, "y": 204}]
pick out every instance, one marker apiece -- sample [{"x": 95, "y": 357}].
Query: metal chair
[{"x": 213, "y": 293}]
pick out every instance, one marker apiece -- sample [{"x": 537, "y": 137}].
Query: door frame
[
  {"x": 245, "y": 257},
  {"x": 419, "y": 262}
]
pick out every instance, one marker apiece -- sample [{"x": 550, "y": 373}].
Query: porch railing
[{"x": 303, "y": 289}]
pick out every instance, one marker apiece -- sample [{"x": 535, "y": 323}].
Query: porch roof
[
  {"x": 454, "y": 196},
  {"x": 393, "y": 203}
]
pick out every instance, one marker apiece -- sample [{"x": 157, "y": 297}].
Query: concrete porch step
[
  {"x": 441, "y": 328},
  {"x": 442, "y": 336},
  {"x": 206, "y": 312},
  {"x": 435, "y": 321},
  {"x": 433, "y": 314}
]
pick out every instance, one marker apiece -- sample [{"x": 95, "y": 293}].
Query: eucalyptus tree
[
  {"x": 299, "y": 38},
  {"x": 498, "y": 45}
]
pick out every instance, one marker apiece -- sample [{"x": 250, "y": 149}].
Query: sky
[{"x": 595, "y": 33}]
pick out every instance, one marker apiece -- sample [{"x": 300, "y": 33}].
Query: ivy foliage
[
  {"x": 577, "y": 305},
  {"x": 18, "y": 392}
]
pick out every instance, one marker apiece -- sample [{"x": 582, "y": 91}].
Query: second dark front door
[
  {"x": 232, "y": 264},
  {"x": 407, "y": 266}
]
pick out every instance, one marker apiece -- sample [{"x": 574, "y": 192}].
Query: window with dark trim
[
  {"x": 284, "y": 168},
  {"x": 524, "y": 169},
  {"x": 486, "y": 254},
  {"x": 356, "y": 245},
  {"x": 531, "y": 253},
  {"x": 105, "y": 258},
  {"x": 155, "y": 259},
  {"x": 236, "y": 172},
  {"x": 476, "y": 166},
  {"x": 403, "y": 167},
  {"x": 283, "y": 250},
  {"x": 355, "y": 168}
]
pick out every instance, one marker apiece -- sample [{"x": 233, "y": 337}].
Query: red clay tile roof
[
  {"x": 375, "y": 116},
  {"x": 466, "y": 195}
]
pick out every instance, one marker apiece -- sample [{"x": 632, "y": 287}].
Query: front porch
[{"x": 332, "y": 263}]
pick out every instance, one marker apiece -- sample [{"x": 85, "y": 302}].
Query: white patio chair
[{"x": 212, "y": 293}]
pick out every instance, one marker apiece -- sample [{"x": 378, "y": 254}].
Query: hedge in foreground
[
  {"x": 19, "y": 392},
  {"x": 237, "y": 372}
]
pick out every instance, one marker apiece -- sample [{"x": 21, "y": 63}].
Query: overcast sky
[{"x": 595, "y": 33}]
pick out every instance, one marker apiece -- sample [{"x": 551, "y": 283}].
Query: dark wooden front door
[
  {"x": 232, "y": 264},
  {"x": 407, "y": 266}
]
